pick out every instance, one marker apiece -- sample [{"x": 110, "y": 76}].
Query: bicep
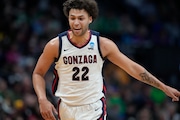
[
  {"x": 119, "y": 59},
  {"x": 46, "y": 58},
  {"x": 113, "y": 54},
  {"x": 42, "y": 65}
]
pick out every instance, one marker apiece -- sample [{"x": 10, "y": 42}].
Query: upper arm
[
  {"x": 47, "y": 57},
  {"x": 110, "y": 50}
]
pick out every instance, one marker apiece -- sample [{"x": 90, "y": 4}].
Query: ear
[{"x": 90, "y": 19}]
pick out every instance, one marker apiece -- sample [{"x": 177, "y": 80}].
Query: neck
[{"x": 79, "y": 40}]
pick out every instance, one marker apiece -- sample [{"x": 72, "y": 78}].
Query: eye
[
  {"x": 72, "y": 18},
  {"x": 81, "y": 19}
]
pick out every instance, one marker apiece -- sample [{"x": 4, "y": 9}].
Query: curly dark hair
[{"x": 90, "y": 6}]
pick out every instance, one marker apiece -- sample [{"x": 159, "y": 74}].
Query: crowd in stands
[{"x": 27, "y": 25}]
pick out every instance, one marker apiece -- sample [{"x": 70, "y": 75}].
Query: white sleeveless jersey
[{"x": 78, "y": 71}]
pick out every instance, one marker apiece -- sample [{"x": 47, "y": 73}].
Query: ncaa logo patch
[{"x": 91, "y": 44}]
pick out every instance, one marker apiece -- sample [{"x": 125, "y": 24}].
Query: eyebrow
[{"x": 75, "y": 15}]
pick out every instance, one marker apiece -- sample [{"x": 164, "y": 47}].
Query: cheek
[
  {"x": 70, "y": 24},
  {"x": 85, "y": 23}
]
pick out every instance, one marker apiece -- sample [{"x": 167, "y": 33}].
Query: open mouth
[{"x": 77, "y": 30}]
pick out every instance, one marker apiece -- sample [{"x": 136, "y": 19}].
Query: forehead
[{"x": 77, "y": 12}]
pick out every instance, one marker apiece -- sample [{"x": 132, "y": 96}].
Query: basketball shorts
[{"x": 94, "y": 111}]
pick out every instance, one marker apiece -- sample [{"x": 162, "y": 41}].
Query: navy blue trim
[
  {"x": 98, "y": 41},
  {"x": 59, "y": 102},
  {"x": 60, "y": 43},
  {"x": 104, "y": 111},
  {"x": 55, "y": 81},
  {"x": 80, "y": 46}
]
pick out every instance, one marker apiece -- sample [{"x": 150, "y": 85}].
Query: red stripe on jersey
[
  {"x": 104, "y": 113},
  {"x": 55, "y": 81},
  {"x": 59, "y": 102}
]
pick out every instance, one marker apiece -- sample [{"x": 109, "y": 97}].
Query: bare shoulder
[
  {"x": 52, "y": 47},
  {"x": 107, "y": 46},
  {"x": 53, "y": 42},
  {"x": 105, "y": 41}
]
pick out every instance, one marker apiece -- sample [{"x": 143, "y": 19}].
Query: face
[{"x": 79, "y": 21}]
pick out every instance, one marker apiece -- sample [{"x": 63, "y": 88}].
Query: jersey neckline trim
[{"x": 68, "y": 36}]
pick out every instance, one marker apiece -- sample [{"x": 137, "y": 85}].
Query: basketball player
[{"x": 79, "y": 54}]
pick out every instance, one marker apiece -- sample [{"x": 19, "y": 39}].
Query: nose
[{"x": 76, "y": 22}]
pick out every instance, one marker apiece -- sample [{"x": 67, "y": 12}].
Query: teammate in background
[{"x": 79, "y": 54}]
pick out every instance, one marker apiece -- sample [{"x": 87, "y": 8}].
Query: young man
[{"x": 79, "y": 54}]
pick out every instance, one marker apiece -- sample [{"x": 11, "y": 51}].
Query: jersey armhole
[
  {"x": 60, "y": 44},
  {"x": 98, "y": 41}
]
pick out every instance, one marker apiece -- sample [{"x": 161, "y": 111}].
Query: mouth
[{"x": 77, "y": 30}]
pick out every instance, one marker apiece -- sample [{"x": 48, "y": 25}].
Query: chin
[{"x": 78, "y": 33}]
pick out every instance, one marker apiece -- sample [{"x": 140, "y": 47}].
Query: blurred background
[{"x": 147, "y": 31}]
